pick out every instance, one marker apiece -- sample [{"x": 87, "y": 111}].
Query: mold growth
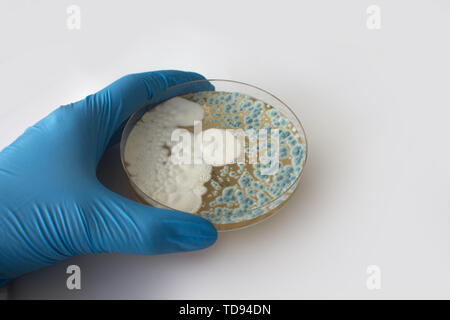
[{"x": 229, "y": 195}]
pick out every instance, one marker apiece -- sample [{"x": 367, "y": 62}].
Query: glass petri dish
[{"x": 269, "y": 152}]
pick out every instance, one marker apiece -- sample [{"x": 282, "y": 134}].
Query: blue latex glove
[{"x": 51, "y": 204}]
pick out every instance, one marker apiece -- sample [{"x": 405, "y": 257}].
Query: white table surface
[{"x": 375, "y": 105}]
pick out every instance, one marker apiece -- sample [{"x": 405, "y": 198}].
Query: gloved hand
[{"x": 51, "y": 204}]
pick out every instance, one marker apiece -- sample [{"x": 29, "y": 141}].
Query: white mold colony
[{"x": 149, "y": 148}]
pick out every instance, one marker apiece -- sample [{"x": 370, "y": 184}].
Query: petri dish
[{"x": 222, "y": 149}]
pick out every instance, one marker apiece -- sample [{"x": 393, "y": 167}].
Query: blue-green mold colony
[{"x": 241, "y": 192}]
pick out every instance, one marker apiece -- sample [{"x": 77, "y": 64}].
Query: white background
[{"x": 374, "y": 104}]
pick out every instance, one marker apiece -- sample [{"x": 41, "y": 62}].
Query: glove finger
[
  {"x": 114, "y": 104},
  {"x": 174, "y": 91}
]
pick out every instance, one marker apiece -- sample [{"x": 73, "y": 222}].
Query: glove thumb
[{"x": 125, "y": 226}]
